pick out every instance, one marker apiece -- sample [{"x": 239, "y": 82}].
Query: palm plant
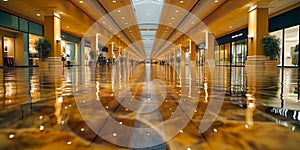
[
  {"x": 271, "y": 47},
  {"x": 43, "y": 46}
]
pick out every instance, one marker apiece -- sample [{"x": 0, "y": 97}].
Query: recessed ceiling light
[
  {"x": 230, "y": 27},
  {"x": 114, "y": 1},
  {"x": 123, "y": 17},
  {"x": 119, "y": 10},
  {"x": 176, "y": 11},
  {"x": 82, "y": 33},
  {"x": 172, "y": 18},
  {"x": 181, "y": 1},
  {"x": 80, "y": 2},
  {"x": 5, "y": 0},
  {"x": 170, "y": 23},
  {"x": 38, "y": 14},
  {"x": 216, "y": 1},
  {"x": 126, "y": 23},
  {"x": 68, "y": 26}
]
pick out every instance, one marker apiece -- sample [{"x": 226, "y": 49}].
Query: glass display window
[
  {"x": 238, "y": 52},
  {"x": 291, "y": 40},
  {"x": 33, "y": 53},
  {"x": 8, "y": 51},
  {"x": 279, "y": 34}
]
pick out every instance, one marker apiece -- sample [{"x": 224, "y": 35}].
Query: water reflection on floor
[{"x": 153, "y": 106}]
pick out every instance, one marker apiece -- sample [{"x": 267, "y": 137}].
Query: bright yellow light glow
[
  {"x": 42, "y": 127},
  {"x": 11, "y": 136}
]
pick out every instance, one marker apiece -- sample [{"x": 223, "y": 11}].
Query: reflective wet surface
[{"x": 149, "y": 106}]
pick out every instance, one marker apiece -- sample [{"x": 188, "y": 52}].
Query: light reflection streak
[{"x": 250, "y": 110}]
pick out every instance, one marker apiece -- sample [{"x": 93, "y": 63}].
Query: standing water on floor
[{"x": 149, "y": 106}]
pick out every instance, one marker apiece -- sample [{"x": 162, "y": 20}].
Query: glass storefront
[
  {"x": 226, "y": 54},
  {"x": 33, "y": 53},
  {"x": 8, "y": 51},
  {"x": 238, "y": 53},
  {"x": 235, "y": 52},
  {"x": 70, "y": 50},
  {"x": 289, "y": 38},
  {"x": 217, "y": 55},
  {"x": 279, "y": 34},
  {"x": 200, "y": 55}
]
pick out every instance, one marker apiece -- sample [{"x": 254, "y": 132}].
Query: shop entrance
[
  {"x": 238, "y": 53},
  {"x": 8, "y": 51}
]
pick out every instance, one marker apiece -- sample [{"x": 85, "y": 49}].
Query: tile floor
[{"x": 149, "y": 106}]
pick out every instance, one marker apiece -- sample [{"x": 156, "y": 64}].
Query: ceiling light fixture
[
  {"x": 181, "y": 1},
  {"x": 216, "y": 1},
  {"x": 80, "y": 2},
  {"x": 37, "y": 12},
  {"x": 114, "y": 1},
  {"x": 5, "y": 0}
]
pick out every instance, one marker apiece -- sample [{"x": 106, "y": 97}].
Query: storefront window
[
  {"x": 279, "y": 35},
  {"x": 70, "y": 49},
  {"x": 222, "y": 53},
  {"x": 8, "y": 51},
  {"x": 33, "y": 53},
  {"x": 227, "y": 54},
  {"x": 217, "y": 55},
  {"x": 291, "y": 40},
  {"x": 239, "y": 53}
]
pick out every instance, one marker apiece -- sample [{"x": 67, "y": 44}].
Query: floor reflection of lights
[{"x": 41, "y": 111}]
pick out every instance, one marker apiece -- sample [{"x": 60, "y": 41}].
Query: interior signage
[{"x": 237, "y": 35}]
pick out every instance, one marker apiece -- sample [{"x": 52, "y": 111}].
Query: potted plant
[
  {"x": 43, "y": 47},
  {"x": 271, "y": 49}
]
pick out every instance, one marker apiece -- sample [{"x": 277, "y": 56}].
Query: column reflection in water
[{"x": 250, "y": 110}]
